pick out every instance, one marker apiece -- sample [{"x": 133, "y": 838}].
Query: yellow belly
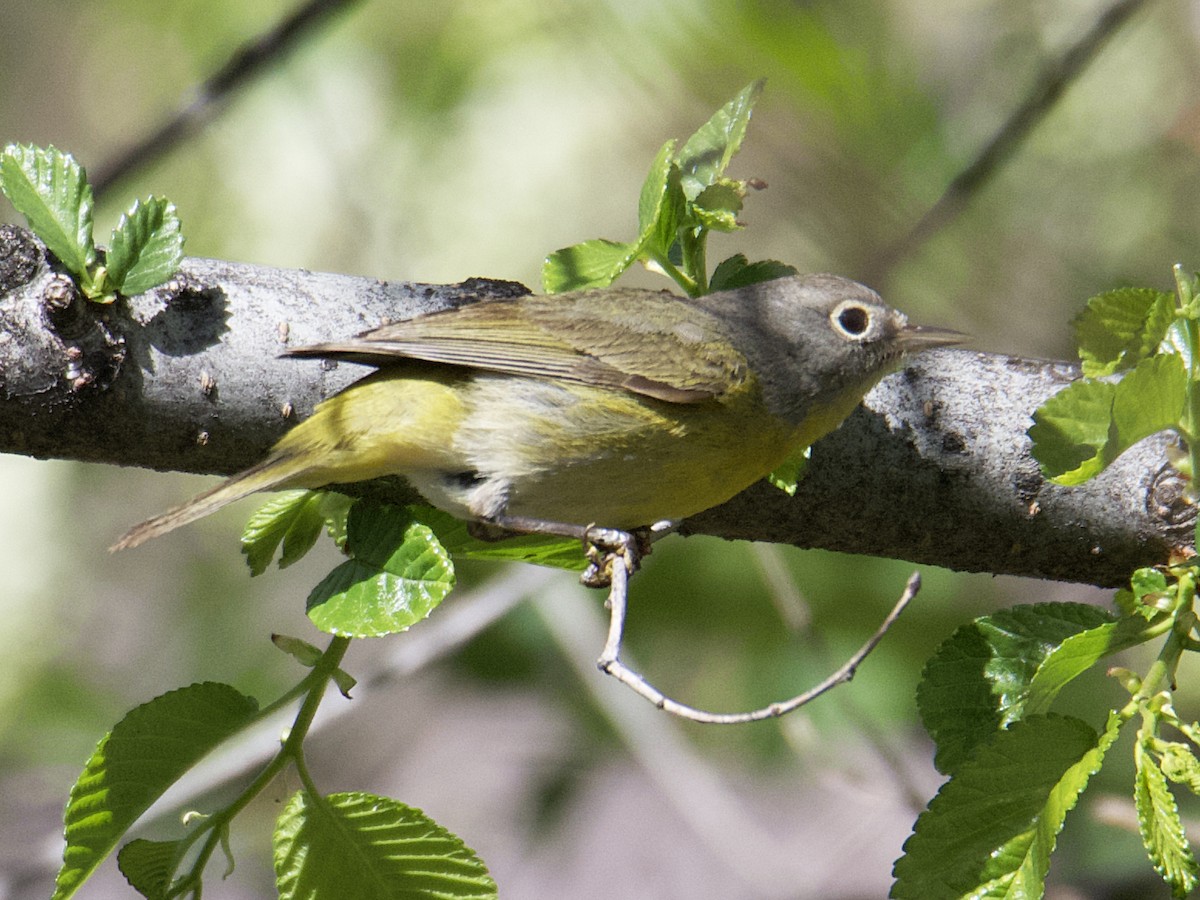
[
  {"x": 579, "y": 454},
  {"x": 483, "y": 445}
]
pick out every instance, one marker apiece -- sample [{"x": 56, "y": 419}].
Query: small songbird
[{"x": 619, "y": 407}]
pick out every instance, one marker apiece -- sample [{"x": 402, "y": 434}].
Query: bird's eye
[{"x": 851, "y": 319}]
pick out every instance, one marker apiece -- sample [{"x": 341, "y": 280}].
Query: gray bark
[{"x": 934, "y": 467}]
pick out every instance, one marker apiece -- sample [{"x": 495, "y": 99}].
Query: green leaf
[
  {"x": 737, "y": 271},
  {"x": 992, "y": 827},
  {"x": 146, "y": 248},
  {"x": 1158, "y": 821},
  {"x": 1148, "y": 400},
  {"x": 1078, "y": 653},
  {"x": 718, "y": 206},
  {"x": 592, "y": 264},
  {"x": 302, "y": 651},
  {"x": 1080, "y": 430},
  {"x": 660, "y": 205},
  {"x": 50, "y": 189},
  {"x": 295, "y": 520},
  {"x": 398, "y": 574},
  {"x": 539, "y": 549},
  {"x": 787, "y": 476},
  {"x": 706, "y": 154},
  {"x": 358, "y": 846},
  {"x": 1179, "y": 763},
  {"x": 1118, "y": 329},
  {"x": 1148, "y": 595},
  {"x": 1071, "y": 429},
  {"x": 1148, "y": 581},
  {"x": 149, "y": 866},
  {"x": 982, "y": 678},
  {"x": 144, "y": 754}
]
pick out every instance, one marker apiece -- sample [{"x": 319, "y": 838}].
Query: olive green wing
[{"x": 647, "y": 342}]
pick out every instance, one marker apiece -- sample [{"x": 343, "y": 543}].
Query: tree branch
[
  {"x": 247, "y": 62},
  {"x": 934, "y": 467},
  {"x": 1057, "y": 75}
]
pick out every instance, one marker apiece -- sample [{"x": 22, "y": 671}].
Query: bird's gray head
[{"x": 812, "y": 339}]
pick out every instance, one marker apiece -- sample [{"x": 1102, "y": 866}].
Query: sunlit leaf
[
  {"x": 982, "y": 678},
  {"x": 1071, "y": 430},
  {"x": 146, "y": 247},
  {"x": 1118, "y": 329},
  {"x": 591, "y": 264},
  {"x": 50, "y": 189},
  {"x": 397, "y": 575},
  {"x": 1162, "y": 831},
  {"x": 358, "y": 846},
  {"x": 705, "y": 156},
  {"x": 992, "y": 827},
  {"x": 144, "y": 754}
]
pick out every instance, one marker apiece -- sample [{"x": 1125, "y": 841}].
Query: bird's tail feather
[{"x": 270, "y": 473}]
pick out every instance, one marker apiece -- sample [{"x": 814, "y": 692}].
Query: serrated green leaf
[
  {"x": 1162, "y": 831},
  {"x": 146, "y": 247},
  {"x": 293, "y": 519},
  {"x": 539, "y": 549},
  {"x": 50, "y": 189},
  {"x": 1148, "y": 595},
  {"x": 1078, "y": 653},
  {"x": 1148, "y": 580},
  {"x": 660, "y": 204},
  {"x": 737, "y": 271},
  {"x": 358, "y": 846},
  {"x": 144, "y": 754},
  {"x": 705, "y": 156},
  {"x": 1179, "y": 764},
  {"x": 718, "y": 206},
  {"x": 1118, "y": 329},
  {"x": 980, "y": 679},
  {"x": 992, "y": 827},
  {"x": 1071, "y": 430},
  {"x": 1149, "y": 399},
  {"x": 397, "y": 574},
  {"x": 591, "y": 264},
  {"x": 148, "y": 866}
]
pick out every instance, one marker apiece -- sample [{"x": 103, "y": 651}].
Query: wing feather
[{"x": 665, "y": 347}]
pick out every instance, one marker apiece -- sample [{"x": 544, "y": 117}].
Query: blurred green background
[{"x": 439, "y": 141}]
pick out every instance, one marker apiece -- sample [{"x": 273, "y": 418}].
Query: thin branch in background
[
  {"x": 794, "y": 610},
  {"x": 249, "y": 60},
  {"x": 1056, "y": 77},
  {"x": 618, "y": 560}
]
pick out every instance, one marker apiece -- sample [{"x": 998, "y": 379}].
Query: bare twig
[
  {"x": 248, "y": 61},
  {"x": 1056, "y": 77},
  {"x": 793, "y": 609},
  {"x": 620, "y": 560}
]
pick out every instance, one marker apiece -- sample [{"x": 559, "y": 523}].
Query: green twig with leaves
[
  {"x": 50, "y": 189},
  {"x": 398, "y": 567},
  {"x": 1016, "y": 769}
]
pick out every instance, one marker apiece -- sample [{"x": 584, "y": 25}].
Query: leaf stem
[
  {"x": 213, "y": 829},
  {"x": 673, "y": 272},
  {"x": 1178, "y": 639}
]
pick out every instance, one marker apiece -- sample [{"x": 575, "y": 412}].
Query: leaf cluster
[
  {"x": 342, "y": 845},
  {"x": 685, "y": 197},
  {"x": 1016, "y": 768},
  {"x": 50, "y": 189}
]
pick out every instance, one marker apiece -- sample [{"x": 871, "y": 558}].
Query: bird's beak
[{"x": 924, "y": 337}]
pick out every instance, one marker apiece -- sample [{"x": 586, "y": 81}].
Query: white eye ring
[{"x": 852, "y": 319}]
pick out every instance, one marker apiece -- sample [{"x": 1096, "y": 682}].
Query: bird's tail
[{"x": 272, "y": 472}]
